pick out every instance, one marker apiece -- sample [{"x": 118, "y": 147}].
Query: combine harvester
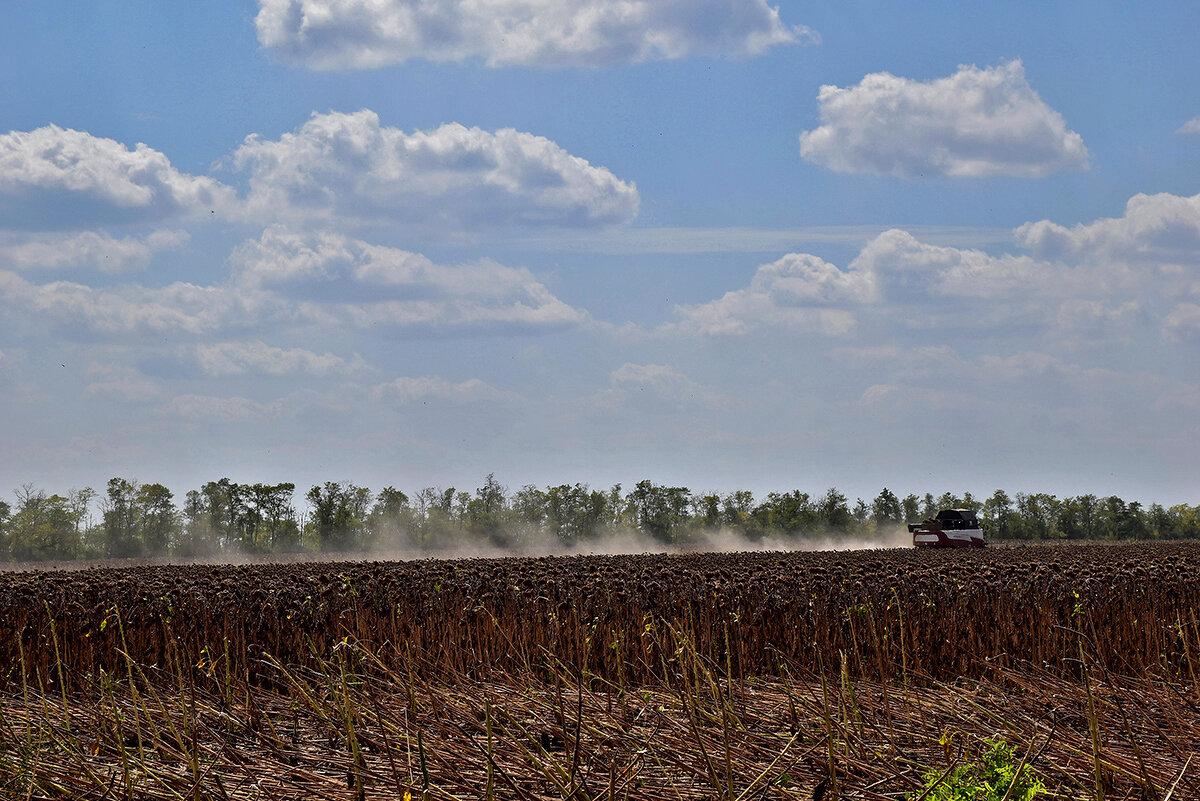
[{"x": 952, "y": 528}]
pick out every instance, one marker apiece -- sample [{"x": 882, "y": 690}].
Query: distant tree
[
  {"x": 391, "y": 519},
  {"x": 861, "y": 514},
  {"x": 121, "y": 519},
  {"x": 706, "y": 511},
  {"x": 43, "y": 527},
  {"x": 198, "y": 537},
  {"x": 886, "y": 509},
  {"x": 1160, "y": 524},
  {"x": 997, "y": 515},
  {"x": 485, "y": 513},
  {"x": 948, "y": 500},
  {"x": 737, "y": 510},
  {"x": 339, "y": 512},
  {"x": 911, "y": 506},
  {"x": 222, "y": 511},
  {"x": 80, "y": 501},
  {"x": 158, "y": 520},
  {"x": 788, "y": 513},
  {"x": 833, "y": 511},
  {"x": 659, "y": 511},
  {"x": 269, "y": 520},
  {"x": 929, "y": 506},
  {"x": 576, "y": 513},
  {"x": 1185, "y": 520},
  {"x": 529, "y": 513},
  {"x": 5, "y": 533}
]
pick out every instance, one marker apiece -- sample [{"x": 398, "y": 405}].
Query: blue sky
[{"x": 711, "y": 242}]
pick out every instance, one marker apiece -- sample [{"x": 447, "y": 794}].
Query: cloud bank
[
  {"x": 452, "y": 178},
  {"x": 351, "y": 34},
  {"x": 55, "y": 177},
  {"x": 973, "y": 124}
]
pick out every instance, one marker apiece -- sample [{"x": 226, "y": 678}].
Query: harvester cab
[{"x": 951, "y": 528}]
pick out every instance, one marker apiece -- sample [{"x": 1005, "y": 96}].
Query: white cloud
[
  {"x": 975, "y": 123},
  {"x": 227, "y": 410},
  {"x": 318, "y": 279},
  {"x": 1095, "y": 320},
  {"x": 798, "y": 291},
  {"x": 352, "y": 34},
  {"x": 1192, "y": 126},
  {"x": 240, "y": 358},
  {"x": 908, "y": 269},
  {"x": 87, "y": 249},
  {"x": 407, "y": 390},
  {"x": 450, "y": 179},
  {"x": 656, "y": 387},
  {"x": 1182, "y": 324},
  {"x": 1160, "y": 229},
  {"x": 55, "y": 177},
  {"x": 366, "y": 285},
  {"x": 178, "y": 307},
  {"x": 118, "y": 383},
  {"x": 1039, "y": 366}
]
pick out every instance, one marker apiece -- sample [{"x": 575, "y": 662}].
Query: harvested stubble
[
  {"x": 945, "y": 615},
  {"x": 703, "y": 676},
  {"x": 351, "y": 728}
]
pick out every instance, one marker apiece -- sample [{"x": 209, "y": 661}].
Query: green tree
[
  {"x": 121, "y": 519},
  {"x": 833, "y": 511},
  {"x": 1185, "y": 520},
  {"x": 997, "y": 515},
  {"x": 659, "y": 511},
  {"x": 157, "y": 518},
  {"x": 339, "y": 512},
  {"x": 485, "y": 513},
  {"x": 706, "y": 511},
  {"x": 269, "y": 520},
  {"x": 737, "y": 513},
  {"x": 789, "y": 513},
  {"x": 43, "y": 527},
  {"x": 391, "y": 520},
  {"x": 886, "y": 509},
  {"x": 5, "y": 533}
]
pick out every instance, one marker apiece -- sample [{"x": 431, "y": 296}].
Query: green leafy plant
[{"x": 998, "y": 777}]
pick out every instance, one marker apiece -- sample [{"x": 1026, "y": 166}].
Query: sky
[{"x": 718, "y": 244}]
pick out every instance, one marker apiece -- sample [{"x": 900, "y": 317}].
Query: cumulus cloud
[
  {"x": 657, "y": 387},
  {"x": 1182, "y": 324},
  {"x": 286, "y": 277},
  {"x": 351, "y": 34},
  {"x": 87, "y": 249},
  {"x": 1192, "y": 126},
  {"x": 133, "y": 309},
  {"x": 406, "y": 390},
  {"x": 340, "y": 280},
  {"x": 907, "y": 269},
  {"x": 240, "y": 358},
  {"x": 119, "y": 383},
  {"x": 798, "y": 291},
  {"x": 1161, "y": 229},
  {"x": 452, "y": 178},
  {"x": 210, "y": 408},
  {"x": 975, "y": 123},
  {"x": 55, "y": 177}
]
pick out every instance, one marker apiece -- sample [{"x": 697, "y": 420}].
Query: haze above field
[{"x": 717, "y": 244}]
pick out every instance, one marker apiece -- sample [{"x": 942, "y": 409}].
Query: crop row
[{"x": 884, "y": 612}]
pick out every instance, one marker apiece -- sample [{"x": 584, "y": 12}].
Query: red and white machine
[{"x": 952, "y": 528}]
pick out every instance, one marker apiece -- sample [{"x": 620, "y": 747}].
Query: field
[{"x": 738, "y": 676}]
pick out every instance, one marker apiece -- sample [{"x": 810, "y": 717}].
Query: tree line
[{"x": 131, "y": 519}]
